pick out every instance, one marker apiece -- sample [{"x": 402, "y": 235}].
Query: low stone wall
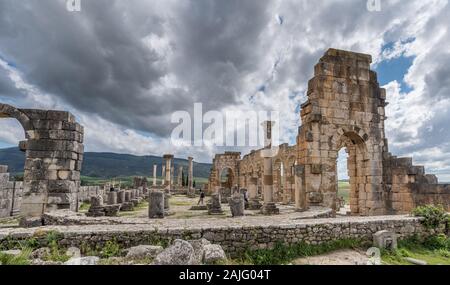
[
  {"x": 10, "y": 194},
  {"x": 234, "y": 239}
]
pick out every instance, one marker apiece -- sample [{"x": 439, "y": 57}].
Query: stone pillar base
[
  {"x": 254, "y": 205},
  {"x": 300, "y": 210},
  {"x": 269, "y": 209}
]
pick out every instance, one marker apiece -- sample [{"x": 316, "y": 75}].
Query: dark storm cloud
[
  {"x": 98, "y": 62},
  {"x": 7, "y": 88}
]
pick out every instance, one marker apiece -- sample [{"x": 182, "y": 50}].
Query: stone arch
[
  {"x": 53, "y": 157},
  {"x": 230, "y": 178},
  {"x": 357, "y": 166},
  {"x": 345, "y": 107},
  {"x": 8, "y": 111}
]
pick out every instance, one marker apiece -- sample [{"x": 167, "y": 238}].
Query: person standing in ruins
[{"x": 202, "y": 197}]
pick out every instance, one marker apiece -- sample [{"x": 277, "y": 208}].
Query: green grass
[
  {"x": 344, "y": 190},
  {"x": 21, "y": 259},
  {"x": 435, "y": 250},
  {"x": 127, "y": 181},
  {"x": 284, "y": 254}
]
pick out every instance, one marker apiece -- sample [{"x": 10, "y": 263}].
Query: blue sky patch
[{"x": 395, "y": 69}]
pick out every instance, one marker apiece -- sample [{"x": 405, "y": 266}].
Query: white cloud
[{"x": 145, "y": 61}]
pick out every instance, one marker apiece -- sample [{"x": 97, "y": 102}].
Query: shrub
[
  {"x": 434, "y": 216},
  {"x": 437, "y": 242},
  {"x": 111, "y": 249},
  {"x": 21, "y": 259}
]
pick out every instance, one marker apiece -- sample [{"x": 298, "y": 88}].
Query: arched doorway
[
  {"x": 11, "y": 167},
  {"x": 353, "y": 150},
  {"x": 343, "y": 182},
  {"x": 54, "y": 153},
  {"x": 226, "y": 178}
]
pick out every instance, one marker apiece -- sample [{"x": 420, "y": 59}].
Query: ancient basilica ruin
[
  {"x": 277, "y": 193},
  {"x": 345, "y": 109}
]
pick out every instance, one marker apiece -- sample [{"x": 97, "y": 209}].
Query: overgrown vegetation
[
  {"x": 111, "y": 249},
  {"x": 434, "y": 216},
  {"x": 284, "y": 254},
  {"x": 20, "y": 259},
  {"x": 434, "y": 250}
]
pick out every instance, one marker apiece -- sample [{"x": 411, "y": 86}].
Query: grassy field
[
  {"x": 344, "y": 190},
  {"x": 127, "y": 181}
]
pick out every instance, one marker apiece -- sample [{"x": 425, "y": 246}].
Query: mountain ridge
[{"x": 108, "y": 164}]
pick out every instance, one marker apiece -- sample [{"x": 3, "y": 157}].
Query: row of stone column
[
  {"x": 168, "y": 171},
  {"x": 122, "y": 200}
]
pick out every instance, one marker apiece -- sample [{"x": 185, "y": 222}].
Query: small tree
[
  {"x": 434, "y": 216},
  {"x": 193, "y": 184},
  {"x": 182, "y": 179}
]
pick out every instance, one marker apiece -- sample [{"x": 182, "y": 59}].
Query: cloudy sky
[{"x": 123, "y": 67}]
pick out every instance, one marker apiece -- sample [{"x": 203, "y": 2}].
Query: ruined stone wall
[
  {"x": 345, "y": 109},
  {"x": 234, "y": 239},
  {"x": 10, "y": 194},
  {"x": 407, "y": 186},
  {"x": 54, "y": 154},
  {"x": 86, "y": 192}
]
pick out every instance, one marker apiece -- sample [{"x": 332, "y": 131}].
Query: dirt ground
[{"x": 341, "y": 257}]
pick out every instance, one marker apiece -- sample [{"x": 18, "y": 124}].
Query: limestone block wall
[
  {"x": 86, "y": 192},
  {"x": 10, "y": 194},
  {"x": 234, "y": 239},
  {"x": 54, "y": 154},
  {"x": 407, "y": 186}
]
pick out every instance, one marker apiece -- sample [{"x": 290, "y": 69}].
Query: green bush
[
  {"x": 111, "y": 249},
  {"x": 21, "y": 259},
  {"x": 437, "y": 242},
  {"x": 434, "y": 216}
]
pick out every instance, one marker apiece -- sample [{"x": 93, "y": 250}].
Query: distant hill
[{"x": 107, "y": 165}]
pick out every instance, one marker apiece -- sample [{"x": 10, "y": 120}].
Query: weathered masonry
[
  {"x": 345, "y": 109},
  {"x": 53, "y": 157}
]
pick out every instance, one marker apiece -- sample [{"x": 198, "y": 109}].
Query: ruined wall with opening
[
  {"x": 345, "y": 109},
  {"x": 53, "y": 158},
  {"x": 10, "y": 194}
]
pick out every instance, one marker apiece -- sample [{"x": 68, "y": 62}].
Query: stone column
[
  {"x": 254, "y": 203},
  {"x": 191, "y": 189},
  {"x": 112, "y": 198},
  {"x": 180, "y": 176},
  {"x": 269, "y": 207},
  {"x": 156, "y": 205},
  {"x": 168, "y": 176},
  {"x": 121, "y": 197},
  {"x": 163, "y": 174},
  {"x": 155, "y": 168},
  {"x": 300, "y": 189},
  {"x": 172, "y": 177}
]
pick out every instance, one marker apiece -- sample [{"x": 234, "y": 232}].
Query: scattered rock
[
  {"x": 213, "y": 254},
  {"x": 88, "y": 260},
  {"x": 199, "y": 249},
  {"x": 13, "y": 252},
  {"x": 180, "y": 253},
  {"x": 143, "y": 251},
  {"x": 40, "y": 253},
  {"x": 73, "y": 252},
  {"x": 39, "y": 261},
  {"x": 31, "y": 222},
  {"x": 416, "y": 261}
]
